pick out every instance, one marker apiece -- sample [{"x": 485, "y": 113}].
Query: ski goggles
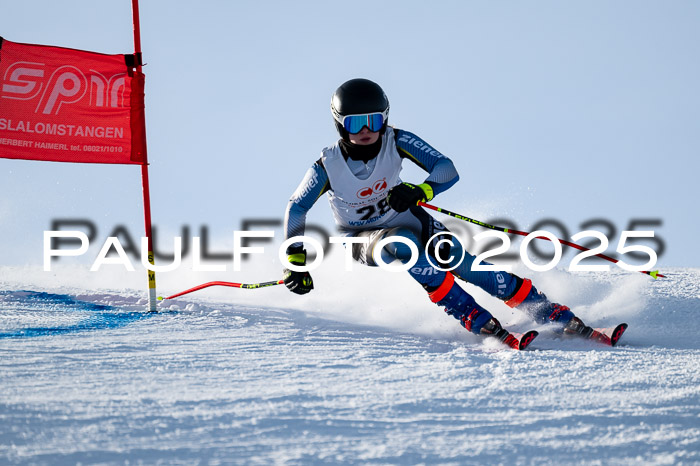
[{"x": 353, "y": 124}]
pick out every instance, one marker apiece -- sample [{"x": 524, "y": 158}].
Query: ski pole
[
  {"x": 248, "y": 286},
  {"x": 654, "y": 273}
]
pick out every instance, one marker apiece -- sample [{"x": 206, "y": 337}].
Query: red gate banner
[{"x": 66, "y": 105}]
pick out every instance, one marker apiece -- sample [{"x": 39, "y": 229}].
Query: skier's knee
[{"x": 397, "y": 249}]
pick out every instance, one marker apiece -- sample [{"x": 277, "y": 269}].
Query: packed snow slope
[{"x": 345, "y": 377}]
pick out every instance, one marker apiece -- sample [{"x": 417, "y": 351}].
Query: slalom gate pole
[
  {"x": 248, "y": 286},
  {"x": 152, "y": 301},
  {"x": 654, "y": 274}
]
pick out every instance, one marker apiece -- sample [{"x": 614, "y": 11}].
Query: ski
[
  {"x": 518, "y": 341},
  {"x": 608, "y": 336}
]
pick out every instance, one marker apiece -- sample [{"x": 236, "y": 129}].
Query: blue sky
[{"x": 576, "y": 110}]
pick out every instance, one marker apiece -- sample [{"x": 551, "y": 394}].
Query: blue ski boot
[
  {"x": 537, "y": 305},
  {"x": 462, "y": 306},
  {"x": 543, "y": 310}
]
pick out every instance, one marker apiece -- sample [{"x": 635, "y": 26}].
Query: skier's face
[{"x": 364, "y": 138}]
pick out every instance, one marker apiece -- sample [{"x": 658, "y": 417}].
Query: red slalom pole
[
  {"x": 654, "y": 274},
  {"x": 144, "y": 165},
  {"x": 248, "y": 286}
]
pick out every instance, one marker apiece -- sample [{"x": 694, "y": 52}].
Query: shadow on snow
[{"x": 28, "y": 310}]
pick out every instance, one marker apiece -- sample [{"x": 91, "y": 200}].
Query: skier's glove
[
  {"x": 298, "y": 282},
  {"x": 405, "y": 195}
]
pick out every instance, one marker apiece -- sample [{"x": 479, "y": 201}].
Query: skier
[{"x": 360, "y": 174}]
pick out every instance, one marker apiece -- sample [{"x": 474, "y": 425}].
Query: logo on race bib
[{"x": 377, "y": 188}]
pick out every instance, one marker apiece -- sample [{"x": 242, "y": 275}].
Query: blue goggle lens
[{"x": 353, "y": 124}]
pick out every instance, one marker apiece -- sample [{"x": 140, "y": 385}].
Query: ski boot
[
  {"x": 608, "y": 336},
  {"x": 575, "y": 327},
  {"x": 540, "y": 308},
  {"x": 543, "y": 311},
  {"x": 517, "y": 341},
  {"x": 462, "y": 306}
]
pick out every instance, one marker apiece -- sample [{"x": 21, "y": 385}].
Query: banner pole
[{"x": 152, "y": 298}]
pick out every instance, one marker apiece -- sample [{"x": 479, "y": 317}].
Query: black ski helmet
[{"x": 356, "y": 97}]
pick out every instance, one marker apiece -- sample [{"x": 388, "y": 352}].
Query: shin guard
[
  {"x": 459, "y": 304},
  {"x": 537, "y": 305}
]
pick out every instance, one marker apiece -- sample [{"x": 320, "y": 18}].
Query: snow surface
[{"x": 339, "y": 377}]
